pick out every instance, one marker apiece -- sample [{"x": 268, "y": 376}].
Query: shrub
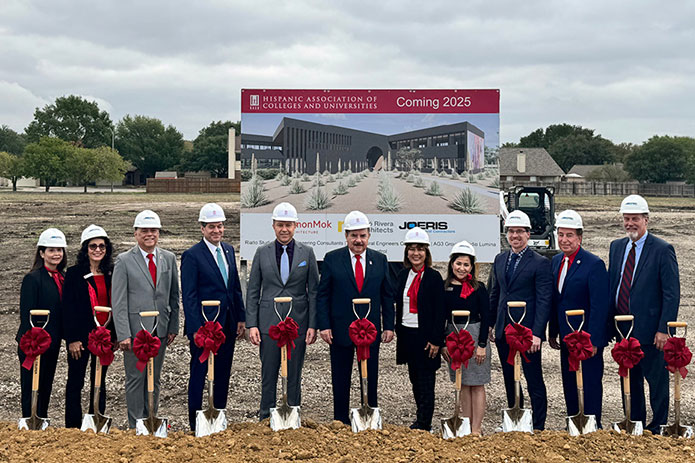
[
  {"x": 317, "y": 200},
  {"x": 285, "y": 180},
  {"x": 267, "y": 174},
  {"x": 434, "y": 189},
  {"x": 330, "y": 179},
  {"x": 410, "y": 178},
  {"x": 253, "y": 195},
  {"x": 306, "y": 178},
  {"x": 296, "y": 187},
  {"x": 280, "y": 176},
  {"x": 340, "y": 189},
  {"x": 467, "y": 202},
  {"x": 455, "y": 175},
  {"x": 351, "y": 182},
  {"x": 388, "y": 200},
  {"x": 246, "y": 175},
  {"x": 419, "y": 183}
]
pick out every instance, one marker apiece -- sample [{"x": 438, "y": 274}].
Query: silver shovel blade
[
  {"x": 676, "y": 430},
  {"x": 33, "y": 423},
  {"x": 209, "y": 422},
  {"x": 285, "y": 417},
  {"x": 157, "y": 427},
  {"x": 581, "y": 424},
  {"x": 364, "y": 418},
  {"x": 96, "y": 423},
  {"x": 629, "y": 427},
  {"x": 456, "y": 427},
  {"x": 517, "y": 419}
]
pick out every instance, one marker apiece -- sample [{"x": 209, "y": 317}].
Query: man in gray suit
[
  {"x": 144, "y": 279},
  {"x": 283, "y": 267}
]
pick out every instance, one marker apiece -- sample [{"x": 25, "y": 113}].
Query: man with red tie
[
  {"x": 644, "y": 282},
  {"x": 353, "y": 271}
]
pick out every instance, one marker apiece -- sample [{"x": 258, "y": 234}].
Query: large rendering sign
[{"x": 405, "y": 158}]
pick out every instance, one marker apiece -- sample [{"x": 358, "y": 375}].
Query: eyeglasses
[{"x": 94, "y": 247}]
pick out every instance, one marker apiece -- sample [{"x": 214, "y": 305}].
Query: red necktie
[
  {"x": 626, "y": 282},
  {"x": 359, "y": 273},
  {"x": 58, "y": 278},
  {"x": 413, "y": 290},
  {"x": 153, "y": 269}
]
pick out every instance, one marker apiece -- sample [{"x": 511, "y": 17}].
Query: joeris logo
[{"x": 425, "y": 225}]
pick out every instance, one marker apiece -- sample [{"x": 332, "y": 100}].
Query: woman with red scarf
[
  {"x": 463, "y": 291},
  {"x": 420, "y": 321},
  {"x": 87, "y": 284},
  {"x": 42, "y": 288}
]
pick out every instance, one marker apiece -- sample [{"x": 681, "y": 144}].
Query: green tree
[
  {"x": 662, "y": 158},
  {"x": 11, "y": 167},
  {"x": 85, "y": 166},
  {"x": 608, "y": 173},
  {"x": 11, "y": 141},
  {"x": 408, "y": 157},
  {"x": 148, "y": 145},
  {"x": 111, "y": 166},
  {"x": 540, "y": 138},
  {"x": 210, "y": 149},
  {"x": 46, "y": 160},
  {"x": 580, "y": 148},
  {"x": 74, "y": 119}
]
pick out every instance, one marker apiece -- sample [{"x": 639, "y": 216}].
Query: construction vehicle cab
[{"x": 538, "y": 202}]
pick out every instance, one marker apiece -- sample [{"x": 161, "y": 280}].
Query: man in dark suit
[
  {"x": 580, "y": 281},
  {"x": 644, "y": 282},
  {"x": 350, "y": 272},
  {"x": 209, "y": 272},
  {"x": 521, "y": 274},
  {"x": 283, "y": 267}
]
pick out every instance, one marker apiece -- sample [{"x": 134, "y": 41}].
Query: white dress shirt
[
  {"x": 409, "y": 319},
  {"x": 362, "y": 261},
  {"x": 213, "y": 250}
]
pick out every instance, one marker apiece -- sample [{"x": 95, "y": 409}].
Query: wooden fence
[
  {"x": 194, "y": 185},
  {"x": 613, "y": 188}
]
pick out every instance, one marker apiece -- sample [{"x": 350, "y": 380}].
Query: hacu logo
[
  {"x": 425, "y": 225},
  {"x": 255, "y": 100}
]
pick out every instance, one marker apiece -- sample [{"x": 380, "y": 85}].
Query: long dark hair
[
  {"x": 450, "y": 272},
  {"x": 106, "y": 264},
  {"x": 38, "y": 260}
]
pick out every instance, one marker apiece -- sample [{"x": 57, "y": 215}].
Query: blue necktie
[
  {"x": 512, "y": 264},
  {"x": 284, "y": 265},
  {"x": 220, "y": 264}
]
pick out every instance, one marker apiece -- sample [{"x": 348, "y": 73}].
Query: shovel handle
[
  {"x": 282, "y": 299},
  {"x": 283, "y": 360},
  {"x": 97, "y": 374},
  {"x": 572, "y": 313},
  {"x": 211, "y": 367},
  {"x": 580, "y": 377},
  {"x": 624, "y": 318},
  {"x": 677, "y": 324},
  {"x": 101, "y": 308},
  {"x": 626, "y": 384},
  {"x": 149, "y": 313},
  {"x": 35, "y": 374},
  {"x": 210, "y": 303},
  {"x": 150, "y": 375},
  {"x": 361, "y": 300},
  {"x": 677, "y": 386},
  {"x": 39, "y": 312},
  {"x": 458, "y": 379},
  {"x": 517, "y": 366},
  {"x": 363, "y": 369}
]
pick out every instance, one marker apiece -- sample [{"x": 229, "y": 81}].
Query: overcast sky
[{"x": 624, "y": 68}]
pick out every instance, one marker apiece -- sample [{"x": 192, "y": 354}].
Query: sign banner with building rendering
[{"x": 405, "y": 158}]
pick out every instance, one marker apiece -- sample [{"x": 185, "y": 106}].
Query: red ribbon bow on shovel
[
  {"x": 520, "y": 339},
  {"x": 460, "y": 346},
  {"x": 33, "y": 343},
  {"x": 579, "y": 348},
  {"x": 285, "y": 333},
  {"x": 677, "y": 355},
  {"x": 99, "y": 344},
  {"x": 209, "y": 337},
  {"x": 145, "y": 346},
  {"x": 627, "y": 353},
  {"x": 363, "y": 334}
]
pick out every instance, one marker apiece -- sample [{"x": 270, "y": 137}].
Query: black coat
[
  {"x": 431, "y": 314},
  {"x": 39, "y": 291},
  {"x": 78, "y": 317}
]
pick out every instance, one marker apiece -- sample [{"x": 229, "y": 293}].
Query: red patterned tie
[
  {"x": 359, "y": 273},
  {"x": 153, "y": 269},
  {"x": 626, "y": 282}
]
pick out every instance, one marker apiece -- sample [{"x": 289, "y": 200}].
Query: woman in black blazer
[
  {"x": 420, "y": 323},
  {"x": 42, "y": 288},
  {"x": 87, "y": 284}
]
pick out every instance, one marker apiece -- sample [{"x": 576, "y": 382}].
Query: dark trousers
[
  {"x": 341, "y": 373},
  {"x": 534, "y": 381},
  {"x": 73, "y": 388},
  {"x": 270, "y": 368},
  {"x": 48, "y": 363},
  {"x": 198, "y": 376},
  {"x": 592, "y": 374},
  {"x": 422, "y": 377},
  {"x": 652, "y": 368}
]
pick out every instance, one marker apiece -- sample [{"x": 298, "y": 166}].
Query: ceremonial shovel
[
  {"x": 34, "y": 422},
  {"x": 579, "y": 423},
  {"x": 284, "y": 416},
  {"x": 675, "y": 429},
  {"x": 627, "y": 425},
  {"x": 456, "y": 426},
  {"x": 517, "y": 418},
  {"x": 365, "y": 417},
  {"x": 97, "y": 422},
  {"x": 151, "y": 425},
  {"x": 212, "y": 419}
]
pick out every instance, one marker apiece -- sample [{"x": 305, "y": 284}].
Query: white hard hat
[
  {"x": 634, "y": 204},
  {"x": 52, "y": 238},
  {"x": 285, "y": 212},
  {"x": 211, "y": 213},
  {"x": 416, "y": 235},
  {"x": 356, "y": 220},
  {"x": 569, "y": 219},
  {"x": 517, "y": 219},
  {"x": 462, "y": 247},
  {"x": 93, "y": 231},
  {"x": 147, "y": 219}
]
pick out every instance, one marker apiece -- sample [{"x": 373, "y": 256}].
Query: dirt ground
[{"x": 24, "y": 216}]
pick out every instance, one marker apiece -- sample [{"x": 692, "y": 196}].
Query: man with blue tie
[
  {"x": 644, "y": 282},
  {"x": 209, "y": 272},
  {"x": 521, "y": 274},
  {"x": 353, "y": 271},
  {"x": 580, "y": 281}
]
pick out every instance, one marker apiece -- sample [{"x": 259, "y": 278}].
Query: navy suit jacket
[
  {"x": 337, "y": 288},
  {"x": 201, "y": 280},
  {"x": 586, "y": 288},
  {"x": 530, "y": 283},
  {"x": 655, "y": 293}
]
